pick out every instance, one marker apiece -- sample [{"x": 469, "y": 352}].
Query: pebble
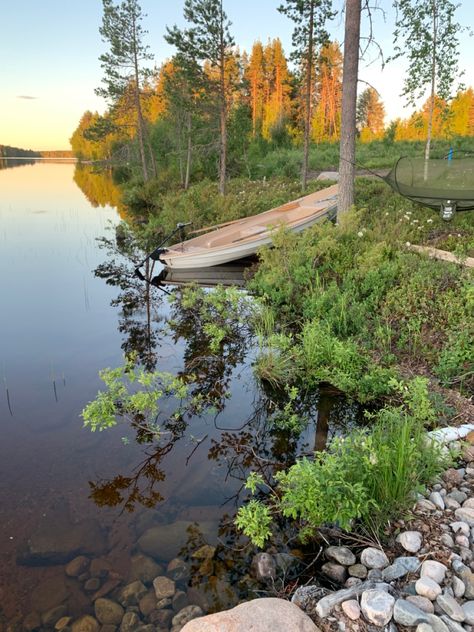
[
  {"x": 433, "y": 569},
  {"x": 437, "y": 500},
  {"x": 465, "y": 514},
  {"x": 77, "y": 566},
  {"x": 425, "y": 506},
  {"x": 450, "y": 606},
  {"x": 462, "y": 540},
  {"x": 164, "y": 587},
  {"x": 406, "y": 613},
  {"x": 468, "y": 609},
  {"x": 186, "y": 614},
  {"x": 410, "y": 541},
  {"x": 452, "y": 476},
  {"x": 453, "y": 626},
  {"x": 457, "y": 495},
  {"x": 129, "y": 622},
  {"x": 401, "y": 566},
  {"x": 341, "y": 555},
  {"x": 374, "y": 558},
  {"x": 460, "y": 527},
  {"x": 447, "y": 540},
  {"x": 451, "y": 503},
  {"x": 427, "y": 587},
  {"x": 335, "y": 571},
  {"x": 108, "y": 612},
  {"x": 468, "y": 581},
  {"x": 421, "y": 602},
  {"x": 358, "y": 570},
  {"x": 458, "y": 587},
  {"x": 424, "y": 627},
  {"x": 469, "y": 503},
  {"x": 351, "y": 609},
  {"x": 131, "y": 594},
  {"x": 377, "y": 606},
  {"x": 352, "y": 581}
]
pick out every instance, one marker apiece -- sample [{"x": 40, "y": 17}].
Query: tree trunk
[
  {"x": 223, "y": 110},
  {"x": 138, "y": 107},
  {"x": 307, "y": 118},
  {"x": 349, "y": 103},
  {"x": 188, "y": 153},
  {"x": 429, "y": 131}
]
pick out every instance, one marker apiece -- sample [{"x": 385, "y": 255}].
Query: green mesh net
[{"x": 435, "y": 183}]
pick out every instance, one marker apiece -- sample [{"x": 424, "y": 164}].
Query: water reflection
[{"x": 96, "y": 182}]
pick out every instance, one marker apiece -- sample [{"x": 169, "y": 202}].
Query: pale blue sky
[{"x": 49, "y": 50}]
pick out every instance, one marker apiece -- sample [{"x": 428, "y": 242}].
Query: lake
[{"x": 128, "y": 505}]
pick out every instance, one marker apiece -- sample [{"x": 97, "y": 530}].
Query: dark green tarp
[{"x": 435, "y": 181}]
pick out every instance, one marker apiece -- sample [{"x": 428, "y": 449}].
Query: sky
[{"x": 49, "y": 52}]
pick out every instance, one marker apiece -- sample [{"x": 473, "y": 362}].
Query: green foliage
[
  {"x": 254, "y": 520},
  {"x": 370, "y": 476}
]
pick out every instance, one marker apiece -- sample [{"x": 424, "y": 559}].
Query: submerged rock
[{"x": 164, "y": 542}]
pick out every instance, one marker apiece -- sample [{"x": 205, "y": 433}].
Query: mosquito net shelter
[{"x": 444, "y": 184}]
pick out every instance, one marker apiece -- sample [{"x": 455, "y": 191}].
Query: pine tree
[
  {"x": 208, "y": 39},
  {"x": 255, "y": 76},
  {"x": 310, "y": 17},
  {"x": 326, "y": 124},
  {"x": 124, "y": 72},
  {"x": 370, "y": 115}
]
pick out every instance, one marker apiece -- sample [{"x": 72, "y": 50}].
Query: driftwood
[{"x": 443, "y": 255}]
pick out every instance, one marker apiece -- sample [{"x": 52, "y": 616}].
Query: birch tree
[{"x": 427, "y": 35}]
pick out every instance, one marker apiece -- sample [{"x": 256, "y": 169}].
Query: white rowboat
[{"x": 243, "y": 237}]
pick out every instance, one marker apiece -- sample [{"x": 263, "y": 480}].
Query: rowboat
[{"x": 243, "y": 237}]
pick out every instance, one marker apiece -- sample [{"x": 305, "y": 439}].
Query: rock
[
  {"x": 108, "y": 612},
  {"x": 263, "y": 566},
  {"x": 434, "y": 570},
  {"x": 458, "y": 587},
  {"x": 131, "y": 594},
  {"x": 178, "y": 570},
  {"x": 451, "y": 503},
  {"x": 161, "y": 618},
  {"x": 92, "y": 584},
  {"x": 457, "y": 495},
  {"x": 401, "y": 566},
  {"x": 341, "y": 555},
  {"x": 468, "y": 581},
  {"x": 452, "y": 476},
  {"x": 427, "y": 587},
  {"x": 32, "y": 622},
  {"x": 407, "y": 614},
  {"x": 424, "y": 627},
  {"x": 468, "y": 504},
  {"x": 374, "y": 558},
  {"x": 335, "y": 571},
  {"x": 106, "y": 588},
  {"x": 450, "y": 606},
  {"x": 453, "y": 626},
  {"x": 437, "y": 624},
  {"x": 447, "y": 540},
  {"x": 179, "y": 601},
  {"x": 357, "y": 570},
  {"x": 437, "y": 500},
  {"x": 144, "y": 569},
  {"x": 462, "y": 540},
  {"x": 377, "y": 606},
  {"x": 465, "y": 514},
  {"x": 48, "y": 594},
  {"x": 62, "y": 623},
  {"x": 351, "y": 609},
  {"x": 410, "y": 541},
  {"x": 258, "y": 615},
  {"x": 85, "y": 624},
  {"x": 148, "y": 603},
  {"x": 51, "y": 617},
  {"x": 423, "y": 603},
  {"x": 306, "y": 596},
  {"x": 326, "y": 604},
  {"x": 468, "y": 609},
  {"x": 186, "y": 614},
  {"x": 100, "y": 568},
  {"x": 425, "y": 506},
  {"x": 130, "y": 621},
  {"x": 77, "y": 566},
  {"x": 58, "y": 540},
  {"x": 164, "y": 587},
  {"x": 374, "y": 574},
  {"x": 460, "y": 527},
  {"x": 164, "y": 542}
]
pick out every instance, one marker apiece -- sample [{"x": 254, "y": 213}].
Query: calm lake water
[{"x": 65, "y": 490}]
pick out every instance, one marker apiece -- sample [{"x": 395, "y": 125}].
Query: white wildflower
[
  {"x": 360, "y": 234},
  {"x": 407, "y": 244},
  {"x": 429, "y": 221}
]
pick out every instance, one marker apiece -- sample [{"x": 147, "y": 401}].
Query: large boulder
[{"x": 259, "y": 615}]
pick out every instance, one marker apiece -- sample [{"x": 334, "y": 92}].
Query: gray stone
[
  {"x": 85, "y": 624},
  {"x": 468, "y": 609},
  {"x": 462, "y": 540},
  {"x": 451, "y": 503},
  {"x": 437, "y": 624},
  {"x": 131, "y": 594},
  {"x": 258, "y": 615},
  {"x": 466, "y": 554},
  {"x": 130, "y": 622},
  {"x": 358, "y": 570},
  {"x": 458, "y": 566},
  {"x": 164, "y": 587},
  {"x": 306, "y": 596},
  {"x": 437, "y": 499},
  {"x": 144, "y": 569},
  {"x": 401, "y": 566},
  {"x": 264, "y": 566},
  {"x": 374, "y": 574},
  {"x": 406, "y": 613},
  {"x": 460, "y": 527},
  {"x": 424, "y": 627},
  {"x": 458, "y": 587},
  {"x": 427, "y": 587},
  {"x": 377, "y": 606},
  {"x": 326, "y": 604},
  {"x": 341, "y": 555},
  {"x": 433, "y": 569},
  {"x": 421, "y": 602},
  {"x": 425, "y": 506},
  {"x": 188, "y": 613},
  {"x": 468, "y": 581},
  {"x": 351, "y": 609},
  {"x": 410, "y": 541},
  {"x": 458, "y": 496},
  {"x": 469, "y": 503},
  {"x": 447, "y": 540},
  {"x": 352, "y": 581},
  {"x": 335, "y": 572},
  {"x": 465, "y": 514},
  {"x": 453, "y": 626},
  {"x": 450, "y": 606},
  {"x": 374, "y": 558},
  {"x": 108, "y": 612}
]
